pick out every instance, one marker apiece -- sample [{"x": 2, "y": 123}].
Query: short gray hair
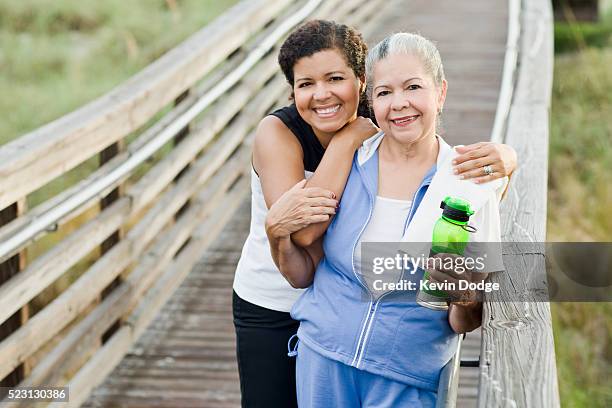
[{"x": 405, "y": 43}]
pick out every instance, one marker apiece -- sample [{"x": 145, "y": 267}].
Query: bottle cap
[{"x": 456, "y": 209}]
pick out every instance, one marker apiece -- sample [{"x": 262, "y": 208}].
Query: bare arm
[
  {"x": 296, "y": 264},
  {"x": 278, "y": 161},
  {"x": 277, "y": 158},
  {"x": 333, "y": 171}
]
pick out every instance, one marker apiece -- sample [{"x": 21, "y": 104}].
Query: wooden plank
[
  {"x": 48, "y": 267},
  {"x": 100, "y": 364},
  {"x": 180, "y": 137},
  {"x": 185, "y": 399},
  {"x": 45, "y": 324},
  {"x": 519, "y": 362},
  {"x": 38, "y": 211},
  {"x": 38, "y": 157}
]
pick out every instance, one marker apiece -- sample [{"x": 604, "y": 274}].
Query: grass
[
  {"x": 581, "y": 147},
  {"x": 582, "y": 346},
  {"x": 579, "y": 195},
  {"x": 57, "y": 55}
]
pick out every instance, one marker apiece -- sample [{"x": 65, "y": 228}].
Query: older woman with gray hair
[{"x": 359, "y": 346}]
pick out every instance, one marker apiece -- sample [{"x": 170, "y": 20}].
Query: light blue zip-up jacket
[{"x": 340, "y": 319}]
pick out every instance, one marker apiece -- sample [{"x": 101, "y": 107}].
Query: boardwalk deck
[{"x": 186, "y": 358}]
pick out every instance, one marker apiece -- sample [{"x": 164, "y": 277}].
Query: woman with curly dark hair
[{"x": 302, "y": 152}]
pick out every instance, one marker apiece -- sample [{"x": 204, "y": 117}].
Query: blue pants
[{"x": 326, "y": 383}]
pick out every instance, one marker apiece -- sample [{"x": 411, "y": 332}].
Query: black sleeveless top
[{"x": 313, "y": 150}]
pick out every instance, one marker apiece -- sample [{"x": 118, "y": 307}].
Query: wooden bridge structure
[{"x": 151, "y": 234}]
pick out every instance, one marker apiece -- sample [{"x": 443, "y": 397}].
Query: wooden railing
[
  {"x": 173, "y": 144},
  {"x": 517, "y": 360},
  {"x": 174, "y": 147}
]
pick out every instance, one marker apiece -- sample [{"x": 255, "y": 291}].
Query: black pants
[{"x": 267, "y": 374}]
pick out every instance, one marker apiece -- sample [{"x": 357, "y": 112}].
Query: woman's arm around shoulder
[
  {"x": 278, "y": 161},
  {"x": 333, "y": 171}
]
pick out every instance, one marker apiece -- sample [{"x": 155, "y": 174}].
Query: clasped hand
[{"x": 299, "y": 207}]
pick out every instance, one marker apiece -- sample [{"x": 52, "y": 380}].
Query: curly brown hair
[{"x": 318, "y": 35}]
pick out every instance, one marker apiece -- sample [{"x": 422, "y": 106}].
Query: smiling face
[
  {"x": 405, "y": 98},
  {"x": 326, "y": 92}
]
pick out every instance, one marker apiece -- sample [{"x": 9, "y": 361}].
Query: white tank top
[
  {"x": 257, "y": 278},
  {"x": 386, "y": 225}
]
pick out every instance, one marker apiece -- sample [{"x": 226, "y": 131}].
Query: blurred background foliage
[
  {"x": 579, "y": 197},
  {"x": 57, "y": 55}
]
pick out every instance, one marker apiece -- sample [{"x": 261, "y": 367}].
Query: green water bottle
[{"x": 451, "y": 235}]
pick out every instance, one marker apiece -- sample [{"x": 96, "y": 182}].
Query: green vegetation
[
  {"x": 571, "y": 37},
  {"x": 579, "y": 194},
  {"x": 580, "y": 147},
  {"x": 57, "y": 55}
]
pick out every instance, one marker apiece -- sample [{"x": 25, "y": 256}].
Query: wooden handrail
[
  {"x": 517, "y": 355},
  {"x": 504, "y": 99}
]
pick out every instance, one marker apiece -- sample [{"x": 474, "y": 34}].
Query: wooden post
[
  {"x": 8, "y": 269},
  {"x": 182, "y": 134},
  {"x": 178, "y": 139},
  {"x": 105, "y": 156}
]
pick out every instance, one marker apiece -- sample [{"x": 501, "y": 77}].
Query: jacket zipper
[{"x": 372, "y": 309}]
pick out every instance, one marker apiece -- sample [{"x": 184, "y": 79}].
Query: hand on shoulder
[{"x": 485, "y": 161}]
